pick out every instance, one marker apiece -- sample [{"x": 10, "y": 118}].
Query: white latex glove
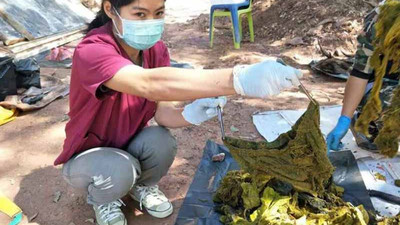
[
  {"x": 203, "y": 109},
  {"x": 264, "y": 79}
]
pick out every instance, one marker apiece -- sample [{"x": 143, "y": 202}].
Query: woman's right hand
[
  {"x": 203, "y": 109},
  {"x": 264, "y": 79}
]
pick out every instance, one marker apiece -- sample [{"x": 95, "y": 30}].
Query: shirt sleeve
[
  {"x": 361, "y": 67},
  {"x": 97, "y": 63}
]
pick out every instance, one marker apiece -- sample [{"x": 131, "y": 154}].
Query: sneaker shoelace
[
  {"x": 111, "y": 210},
  {"x": 145, "y": 191}
]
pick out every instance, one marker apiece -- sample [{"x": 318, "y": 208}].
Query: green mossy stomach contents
[
  {"x": 285, "y": 182},
  {"x": 298, "y": 157}
]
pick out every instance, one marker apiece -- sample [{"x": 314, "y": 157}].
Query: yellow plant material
[
  {"x": 256, "y": 203},
  {"x": 379, "y": 176},
  {"x": 386, "y": 49},
  {"x": 387, "y": 140},
  {"x": 390, "y": 221}
]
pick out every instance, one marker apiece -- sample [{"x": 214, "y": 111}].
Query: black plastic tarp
[
  {"x": 8, "y": 78},
  {"x": 198, "y": 207}
]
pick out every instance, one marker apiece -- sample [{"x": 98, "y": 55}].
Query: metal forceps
[
  {"x": 301, "y": 86},
  {"x": 221, "y": 122},
  {"x": 305, "y": 91}
]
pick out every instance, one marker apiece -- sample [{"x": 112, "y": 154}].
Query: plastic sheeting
[
  {"x": 8, "y": 33},
  {"x": 8, "y": 78},
  {"x": 52, "y": 89},
  {"x": 198, "y": 206},
  {"x": 46, "y": 17},
  {"x": 338, "y": 68},
  {"x": 7, "y": 115}
]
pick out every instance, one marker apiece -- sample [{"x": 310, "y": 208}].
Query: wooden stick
[
  {"x": 47, "y": 46},
  {"x": 323, "y": 51},
  {"x": 372, "y": 4},
  {"x": 9, "y": 42},
  {"x": 32, "y": 44},
  {"x": 16, "y": 25},
  {"x": 28, "y": 49}
]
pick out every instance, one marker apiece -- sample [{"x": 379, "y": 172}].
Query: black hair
[{"x": 102, "y": 18}]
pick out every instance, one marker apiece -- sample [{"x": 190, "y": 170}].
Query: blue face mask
[{"x": 140, "y": 34}]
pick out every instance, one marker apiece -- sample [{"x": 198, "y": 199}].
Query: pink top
[{"x": 100, "y": 117}]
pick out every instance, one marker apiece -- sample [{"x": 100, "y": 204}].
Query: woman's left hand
[
  {"x": 202, "y": 110},
  {"x": 264, "y": 79}
]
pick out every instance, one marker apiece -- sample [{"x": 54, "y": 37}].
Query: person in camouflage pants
[{"x": 358, "y": 88}]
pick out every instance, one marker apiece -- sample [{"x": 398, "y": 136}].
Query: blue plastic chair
[{"x": 234, "y": 11}]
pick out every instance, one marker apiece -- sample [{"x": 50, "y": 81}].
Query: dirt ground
[{"x": 289, "y": 29}]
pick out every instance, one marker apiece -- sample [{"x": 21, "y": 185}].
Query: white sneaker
[
  {"x": 110, "y": 214},
  {"x": 153, "y": 200}
]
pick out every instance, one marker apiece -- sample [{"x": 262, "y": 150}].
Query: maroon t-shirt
[{"x": 101, "y": 117}]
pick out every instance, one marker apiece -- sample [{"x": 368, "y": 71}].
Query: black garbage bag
[
  {"x": 8, "y": 78},
  {"x": 28, "y": 73}
]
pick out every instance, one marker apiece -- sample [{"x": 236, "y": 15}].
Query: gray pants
[{"x": 108, "y": 174}]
